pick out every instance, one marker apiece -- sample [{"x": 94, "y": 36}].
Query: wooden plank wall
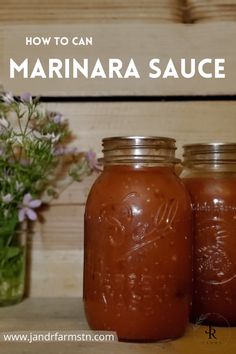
[
  {"x": 77, "y": 11},
  {"x": 57, "y": 245},
  {"x": 116, "y": 40}
]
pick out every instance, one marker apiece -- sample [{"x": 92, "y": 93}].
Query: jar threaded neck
[
  {"x": 139, "y": 149},
  {"x": 209, "y": 153}
]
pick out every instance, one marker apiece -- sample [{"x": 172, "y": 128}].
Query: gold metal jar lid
[
  {"x": 210, "y": 152},
  {"x": 135, "y": 149}
]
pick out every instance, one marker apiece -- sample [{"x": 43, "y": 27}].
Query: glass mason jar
[
  {"x": 137, "y": 265},
  {"x": 210, "y": 176},
  {"x": 12, "y": 264}
]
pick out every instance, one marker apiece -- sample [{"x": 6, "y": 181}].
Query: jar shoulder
[
  {"x": 204, "y": 172},
  {"x": 124, "y": 185}
]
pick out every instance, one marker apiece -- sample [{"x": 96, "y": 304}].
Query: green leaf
[
  {"x": 12, "y": 252},
  {"x": 8, "y": 228}
]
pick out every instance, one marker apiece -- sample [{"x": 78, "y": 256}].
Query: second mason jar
[
  {"x": 137, "y": 265},
  {"x": 210, "y": 176}
]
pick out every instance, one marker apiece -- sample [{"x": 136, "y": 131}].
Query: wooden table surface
[{"x": 53, "y": 314}]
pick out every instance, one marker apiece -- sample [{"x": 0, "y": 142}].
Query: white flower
[
  {"x": 19, "y": 140},
  {"x": 8, "y": 98},
  {"x": 7, "y": 198},
  {"x": 37, "y": 134},
  {"x": 52, "y": 137},
  {"x": 48, "y": 137},
  {"x": 10, "y": 140},
  {"x": 4, "y": 123},
  {"x": 19, "y": 186}
]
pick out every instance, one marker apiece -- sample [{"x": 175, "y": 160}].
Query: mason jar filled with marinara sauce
[
  {"x": 137, "y": 262},
  {"x": 210, "y": 176}
]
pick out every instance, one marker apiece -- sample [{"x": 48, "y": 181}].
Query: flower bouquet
[{"x": 37, "y": 162}]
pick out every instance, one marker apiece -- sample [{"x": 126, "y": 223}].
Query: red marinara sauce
[
  {"x": 137, "y": 265},
  {"x": 210, "y": 177}
]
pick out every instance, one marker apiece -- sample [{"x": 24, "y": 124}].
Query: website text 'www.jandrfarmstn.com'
[{"x": 58, "y": 336}]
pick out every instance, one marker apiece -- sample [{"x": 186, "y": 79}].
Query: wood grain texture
[
  {"x": 77, "y": 11},
  {"x": 94, "y": 121},
  {"x": 56, "y": 273},
  {"x": 187, "y": 122},
  {"x": 211, "y": 11},
  {"x": 68, "y": 315},
  {"x": 117, "y": 40},
  {"x": 62, "y": 229},
  {"x": 57, "y": 257}
]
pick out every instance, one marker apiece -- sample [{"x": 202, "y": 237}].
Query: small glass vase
[{"x": 12, "y": 267}]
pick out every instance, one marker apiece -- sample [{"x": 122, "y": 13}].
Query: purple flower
[
  {"x": 57, "y": 118},
  {"x": 24, "y": 162},
  {"x": 93, "y": 161},
  {"x": 26, "y": 97},
  {"x": 58, "y": 151},
  {"x": 61, "y": 151},
  {"x": 27, "y": 208}
]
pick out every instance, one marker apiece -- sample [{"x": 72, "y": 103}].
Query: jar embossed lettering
[{"x": 137, "y": 268}]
